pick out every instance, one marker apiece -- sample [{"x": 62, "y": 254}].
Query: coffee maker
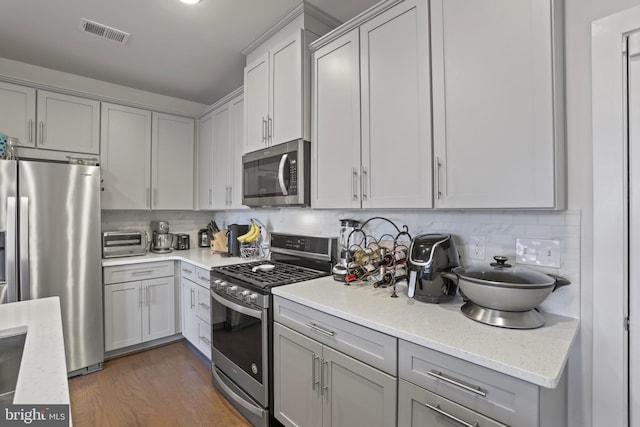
[
  {"x": 429, "y": 256},
  {"x": 161, "y": 239}
]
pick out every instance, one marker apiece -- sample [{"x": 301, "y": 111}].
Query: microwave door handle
[{"x": 283, "y": 161}]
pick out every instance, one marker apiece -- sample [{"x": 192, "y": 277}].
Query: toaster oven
[{"x": 123, "y": 243}]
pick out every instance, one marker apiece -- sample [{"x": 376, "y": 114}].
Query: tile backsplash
[{"x": 500, "y": 230}]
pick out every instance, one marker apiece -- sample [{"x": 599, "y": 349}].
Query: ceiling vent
[{"x": 104, "y": 31}]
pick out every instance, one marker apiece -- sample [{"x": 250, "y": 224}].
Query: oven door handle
[
  {"x": 236, "y": 397},
  {"x": 237, "y": 307}
]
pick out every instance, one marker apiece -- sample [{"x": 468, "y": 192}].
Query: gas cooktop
[{"x": 259, "y": 274}]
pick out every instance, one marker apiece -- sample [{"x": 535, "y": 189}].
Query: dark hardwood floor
[{"x": 165, "y": 386}]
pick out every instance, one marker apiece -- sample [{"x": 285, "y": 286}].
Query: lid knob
[{"x": 501, "y": 262}]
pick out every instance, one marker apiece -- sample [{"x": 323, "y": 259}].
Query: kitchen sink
[{"x": 11, "y": 348}]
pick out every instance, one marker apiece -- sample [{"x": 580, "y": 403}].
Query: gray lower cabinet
[
  {"x": 139, "y": 303},
  {"x": 196, "y": 307},
  {"x": 438, "y": 386},
  {"x": 315, "y": 385},
  {"x": 418, "y": 407}
]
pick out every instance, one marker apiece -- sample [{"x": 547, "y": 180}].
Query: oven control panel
[{"x": 239, "y": 293}]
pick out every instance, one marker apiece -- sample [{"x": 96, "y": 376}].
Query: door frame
[{"x": 610, "y": 230}]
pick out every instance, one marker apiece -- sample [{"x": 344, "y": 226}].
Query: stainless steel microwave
[{"x": 278, "y": 175}]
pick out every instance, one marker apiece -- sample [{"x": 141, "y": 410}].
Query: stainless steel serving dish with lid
[{"x": 503, "y": 295}]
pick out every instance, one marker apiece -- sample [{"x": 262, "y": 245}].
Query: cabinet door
[
  {"x": 221, "y": 156},
  {"x": 396, "y": 125},
  {"x": 285, "y": 78},
  {"x": 125, "y": 160},
  {"x": 355, "y": 393},
  {"x": 172, "y": 162},
  {"x": 18, "y": 113},
  {"x": 256, "y": 103},
  {"x": 418, "y": 407},
  {"x": 189, "y": 319},
  {"x": 335, "y": 160},
  {"x": 296, "y": 374},
  {"x": 205, "y": 162},
  {"x": 494, "y": 103},
  {"x": 68, "y": 123},
  {"x": 235, "y": 162},
  {"x": 159, "y": 318},
  {"x": 122, "y": 315}
]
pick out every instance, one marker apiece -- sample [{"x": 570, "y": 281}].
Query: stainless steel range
[{"x": 242, "y": 337}]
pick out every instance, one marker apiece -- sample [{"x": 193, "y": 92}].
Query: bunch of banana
[{"x": 252, "y": 234}]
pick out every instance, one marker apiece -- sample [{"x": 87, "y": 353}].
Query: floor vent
[{"x": 104, "y": 31}]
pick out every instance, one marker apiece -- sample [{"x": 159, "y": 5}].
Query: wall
[{"x": 27, "y": 74}]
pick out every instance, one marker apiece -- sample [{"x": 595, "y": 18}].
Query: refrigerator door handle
[
  {"x": 23, "y": 223},
  {"x": 10, "y": 251}
]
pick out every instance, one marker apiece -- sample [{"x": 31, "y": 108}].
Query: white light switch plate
[{"x": 541, "y": 252}]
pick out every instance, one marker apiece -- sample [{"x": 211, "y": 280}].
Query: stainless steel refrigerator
[{"x": 50, "y": 246}]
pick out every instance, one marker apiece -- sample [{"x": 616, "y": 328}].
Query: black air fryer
[{"x": 430, "y": 255}]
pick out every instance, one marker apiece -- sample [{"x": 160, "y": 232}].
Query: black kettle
[{"x": 429, "y": 256}]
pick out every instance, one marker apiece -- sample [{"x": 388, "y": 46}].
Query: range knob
[
  {"x": 232, "y": 289},
  {"x": 253, "y": 297},
  {"x": 222, "y": 284},
  {"x": 217, "y": 281}
]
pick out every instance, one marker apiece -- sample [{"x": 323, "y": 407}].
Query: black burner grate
[{"x": 282, "y": 274}]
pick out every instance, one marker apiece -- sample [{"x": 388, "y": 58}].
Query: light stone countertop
[
  {"x": 537, "y": 356},
  {"x": 200, "y": 257},
  {"x": 42, "y": 378}
]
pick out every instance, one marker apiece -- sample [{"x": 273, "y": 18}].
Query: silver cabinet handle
[
  {"x": 264, "y": 130},
  {"x": 186, "y": 270},
  {"x": 354, "y": 183},
  {"x": 321, "y": 329},
  {"x": 437, "y": 409},
  {"x": 41, "y": 132},
  {"x": 155, "y": 197},
  {"x": 193, "y": 304},
  {"x": 30, "y": 130},
  {"x": 205, "y": 340},
  {"x": 438, "y": 169},
  {"x": 314, "y": 381},
  {"x": 140, "y": 273},
  {"x": 365, "y": 178},
  {"x": 139, "y": 297},
  {"x": 203, "y": 305},
  {"x": 203, "y": 277},
  {"x": 325, "y": 385},
  {"x": 148, "y": 197},
  {"x": 209, "y": 197},
  {"x": 458, "y": 383},
  {"x": 269, "y": 130}
]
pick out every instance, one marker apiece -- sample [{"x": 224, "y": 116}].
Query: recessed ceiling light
[{"x": 190, "y": 1}]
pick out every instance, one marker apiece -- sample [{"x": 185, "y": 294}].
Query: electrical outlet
[
  {"x": 545, "y": 253},
  {"x": 477, "y": 247}
]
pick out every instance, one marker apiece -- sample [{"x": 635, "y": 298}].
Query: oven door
[{"x": 239, "y": 345}]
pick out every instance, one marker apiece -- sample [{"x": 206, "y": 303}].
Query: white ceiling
[{"x": 187, "y": 52}]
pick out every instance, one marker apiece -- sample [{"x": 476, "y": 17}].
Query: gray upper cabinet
[
  {"x": 498, "y": 114},
  {"x": 18, "y": 113},
  {"x": 371, "y": 112},
  {"x": 126, "y": 157},
  {"x": 68, "y": 123}
]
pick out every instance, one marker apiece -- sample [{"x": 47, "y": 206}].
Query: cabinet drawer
[
  {"x": 420, "y": 407},
  {"x": 203, "y": 304},
  {"x": 504, "y": 398},
  {"x": 204, "y": 338},
  {"x": 371, "y": 347},
  {"x": 188, "y": 271},
  {"x": 203, "y": 277},
  {"x": 133, "y": 272}
]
